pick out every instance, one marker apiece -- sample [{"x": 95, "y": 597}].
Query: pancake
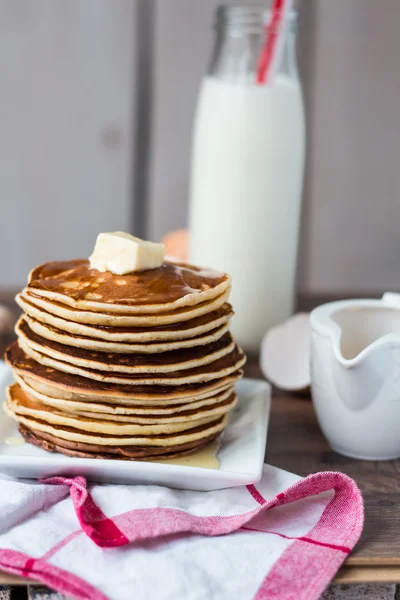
[
  {"x": 114, "y": 410},
  {"x": 183, "y": 397},
  {"x": 56, "y": 335},
  {"x": 21, "y": 402},
  {"x": 205, "y": 414},
  {"x": 188, "y": 394},
  {"x": 58, "y": 384},
  {"x": 170, "y": 287},
  {"x": 219, "y": 368},
  {"x": 113, "y": 319},
  {"x": 102, "y": 439},
  {"x": 177, "y": 331},
  {"x": 52, "y": 444},
  {"x": 175, "y": 360},
  {"x": 111, "y": 328}
]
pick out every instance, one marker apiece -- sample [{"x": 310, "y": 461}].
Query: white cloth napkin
[{"x": 283, "y": 538}]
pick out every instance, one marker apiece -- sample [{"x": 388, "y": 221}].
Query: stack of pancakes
[{"x": 129, "y": 366}]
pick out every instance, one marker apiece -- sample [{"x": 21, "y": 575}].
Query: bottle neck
[{"x": 240, "y": 37}]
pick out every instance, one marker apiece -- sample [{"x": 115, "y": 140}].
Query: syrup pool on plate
[
  {"x": 14, "y": 441},
  {"x": 205, "y": 458}
]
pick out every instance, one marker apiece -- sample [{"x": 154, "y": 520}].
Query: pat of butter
[{"x": 122, "y": 253}]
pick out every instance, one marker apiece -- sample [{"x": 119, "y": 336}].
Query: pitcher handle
[{"x": 391, "y": 299}]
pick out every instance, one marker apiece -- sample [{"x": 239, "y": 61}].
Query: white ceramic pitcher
[{"x": 355, "y": 375}]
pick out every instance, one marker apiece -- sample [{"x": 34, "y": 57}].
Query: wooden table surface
[{"x": 295, "y": 443}]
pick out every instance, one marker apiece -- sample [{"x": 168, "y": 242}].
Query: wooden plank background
[
  {"x": 71, "y": 78},
  {"x": 66, "y": 121}
]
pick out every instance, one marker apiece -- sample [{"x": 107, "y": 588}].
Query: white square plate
[{"x": 241, "y": 453}]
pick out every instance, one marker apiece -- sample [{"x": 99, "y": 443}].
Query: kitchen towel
[{"x": 283, "y": 538}]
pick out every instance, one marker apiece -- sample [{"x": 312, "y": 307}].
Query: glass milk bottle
[{"x": 247, "y": 172}]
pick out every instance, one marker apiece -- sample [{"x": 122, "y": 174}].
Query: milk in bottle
[{"x": 247, "y": 173}]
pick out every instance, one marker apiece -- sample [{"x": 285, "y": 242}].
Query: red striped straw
[{"x": 272, "y": 50}]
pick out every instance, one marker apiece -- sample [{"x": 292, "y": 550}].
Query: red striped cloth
[{"x": 284, "y": 538}]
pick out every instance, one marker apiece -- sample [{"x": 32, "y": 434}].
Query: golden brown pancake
[
  {"x": 171, "y": 286},
  {"x": 53, "y": 444},
  {"x": 87, "y": 343},
  {"x": 112, "y": 319},
  {"x": 20, "y": 404},
  {"x": 176, "y": 360},
  {"x": 65, "y": 385},
  {"x": 174, "y": 331},
  {"x": 217, "y": 369},
  {"x": 164, "y": 440},
  {"x": 20, "y": 399},
  {"x": 137, "y": 411}
]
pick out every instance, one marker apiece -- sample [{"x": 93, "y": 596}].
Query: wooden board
[
  {"x": 349, "y": 574},
  {"x": 7, "y": 579}
]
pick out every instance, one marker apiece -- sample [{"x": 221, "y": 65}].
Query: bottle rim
[{"x": 249, "y": 17}]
